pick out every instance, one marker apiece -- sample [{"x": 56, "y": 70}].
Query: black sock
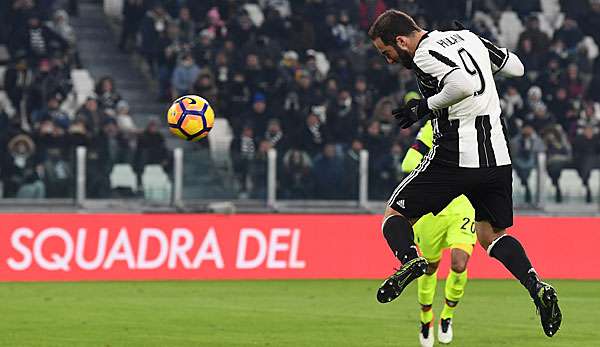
[
  {"x": 509, "y": 252},
  {"x": 399, "y": 235}
]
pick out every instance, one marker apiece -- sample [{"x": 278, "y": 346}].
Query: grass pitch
[{"x": 279, "y": 313}]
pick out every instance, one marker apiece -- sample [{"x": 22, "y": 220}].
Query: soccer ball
[{"x": 190, "y": 117}]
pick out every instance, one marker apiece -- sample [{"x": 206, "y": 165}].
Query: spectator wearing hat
[
  {"x": 125, "y": 121},
  {"x": 19, "y": 166},
  {"x": 259, "y": 114}
]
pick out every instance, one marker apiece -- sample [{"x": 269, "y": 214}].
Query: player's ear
[{"x": 401, "y": 41}]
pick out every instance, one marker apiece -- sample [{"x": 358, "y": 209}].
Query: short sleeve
[
  {"x": 433, "y": 66},
  {"x": 498, "y": 56}
]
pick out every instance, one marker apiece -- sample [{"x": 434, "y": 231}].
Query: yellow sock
[
  {"x": 426, "y": 314},
  {"x": 426, "y": 291},
  {"x": 454, "y": 291}
]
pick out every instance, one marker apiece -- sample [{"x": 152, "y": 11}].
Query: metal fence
[{"x": 168, "y": 194}]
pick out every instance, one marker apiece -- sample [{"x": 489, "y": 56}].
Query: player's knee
[
  {"x": 459, "y": 265},
  {"x": 432, "y": 267},
  {"x": 460, "y": 258}
]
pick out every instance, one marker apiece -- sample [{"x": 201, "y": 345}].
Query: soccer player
[
  {"x": 452, "y": 228},
  {"x": 470, "y": 156}
]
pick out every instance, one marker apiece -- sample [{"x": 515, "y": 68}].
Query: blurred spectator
[
  {"x": 274, "y": 134},
  {"x": 375, "y": 142},
  {"x": 107, "y": 95},
  {"x": 258, "y": 115},
  {"x": 154, "y": 22},
  {"x": 52, "y": 112},
  {"x": 589, "y": 117},
  {"x": 187, "y": 27},
  {"x": 125, "y": 121},
  {"x": 17, "y": 77},
  {"x": 343, "y": 119},
  {"x": 586, "y": 150},
  {"x": 258, "y": 171},
  {"x": 19, "y": 174},
  {"x": 243, "y": 149},
  {"x": 313, "y": 135},
  {"x": 58, "y": 175},
  {"x": 558, "y": 155},
  {"x": 38, "y": 40},
  {"x": 90, "y": 115},
  {"x": 205, "y": 86},
  {"x": 572, "y": 82},
  {"x": 185, "y": 75},
  {"x": 150, "y": 149},
  {"x": 297, "y": 180},
  {"x": 569, "y": 33},
  {"x": 524, "y": 150},
  {"x": 389, "y": 170},
  {"x": 538, "y": 40},
  {"x": 328, "y": 173},
  {"x": 351, "y": 171},
  {"x": 133, "y": 13},
  {"x": 562, "y": 107},
  {"x": 60, "y": 25},
  {"x": 540, "y": 119}
]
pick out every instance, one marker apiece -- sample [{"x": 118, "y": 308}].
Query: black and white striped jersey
[{"x": 471, "y": 132}]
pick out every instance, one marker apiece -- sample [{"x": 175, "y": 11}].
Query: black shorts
[{"x": 431, "y": 187}]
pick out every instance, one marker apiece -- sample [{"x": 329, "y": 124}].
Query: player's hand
[{"x": 411, "y": 112}]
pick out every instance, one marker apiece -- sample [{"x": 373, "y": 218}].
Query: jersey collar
[{"x": 422, "y": 39}]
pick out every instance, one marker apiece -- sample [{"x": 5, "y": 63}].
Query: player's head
[{"x": 394, "y": 34}]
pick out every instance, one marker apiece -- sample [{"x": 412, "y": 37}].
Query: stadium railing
[{"x": 170, "y": 192}]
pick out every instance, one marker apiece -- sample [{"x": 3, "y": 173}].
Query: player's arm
[
  {"x": 503, "y": 61},
  {"x": 453, "y": 83}
]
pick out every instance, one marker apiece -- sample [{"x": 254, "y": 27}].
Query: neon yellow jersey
[{"x": 415, "y": 154}]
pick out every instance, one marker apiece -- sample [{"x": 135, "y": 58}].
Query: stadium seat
[
  {"x": 156, "y": 183},
  {"x": 83, "y": 84},
  {"x": 2, "y": 71},
  {"x": 220, "y": 140},
  {"x": 572, "y": 186},
  {"x": 122, "y": 176}
]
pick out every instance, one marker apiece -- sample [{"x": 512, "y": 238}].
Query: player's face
[{"x": 394, "y": 53}]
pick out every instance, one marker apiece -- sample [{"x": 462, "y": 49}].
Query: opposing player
[
  {"x": 469, "y": 156},
  {"x": 452, "y": 228}
]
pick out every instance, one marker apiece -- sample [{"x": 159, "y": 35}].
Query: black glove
[{"x": 411, "y": 112}]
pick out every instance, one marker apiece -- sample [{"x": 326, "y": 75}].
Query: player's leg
[
  {"x": 428, "y": 188},
  {"x": 398, "y": 232},
  {"x": 430, "y": 238},
  {"x": 460, "y": 238},
  {"x": 425, "y": 292},
  {"x": 493, "y": 213}
]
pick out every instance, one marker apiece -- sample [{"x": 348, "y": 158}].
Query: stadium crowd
[
  {"x": 302, "y": 77},
  {"x": 40, "y": 127}
]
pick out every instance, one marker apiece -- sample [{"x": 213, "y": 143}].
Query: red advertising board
[{"x": 69, "y": 247}]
